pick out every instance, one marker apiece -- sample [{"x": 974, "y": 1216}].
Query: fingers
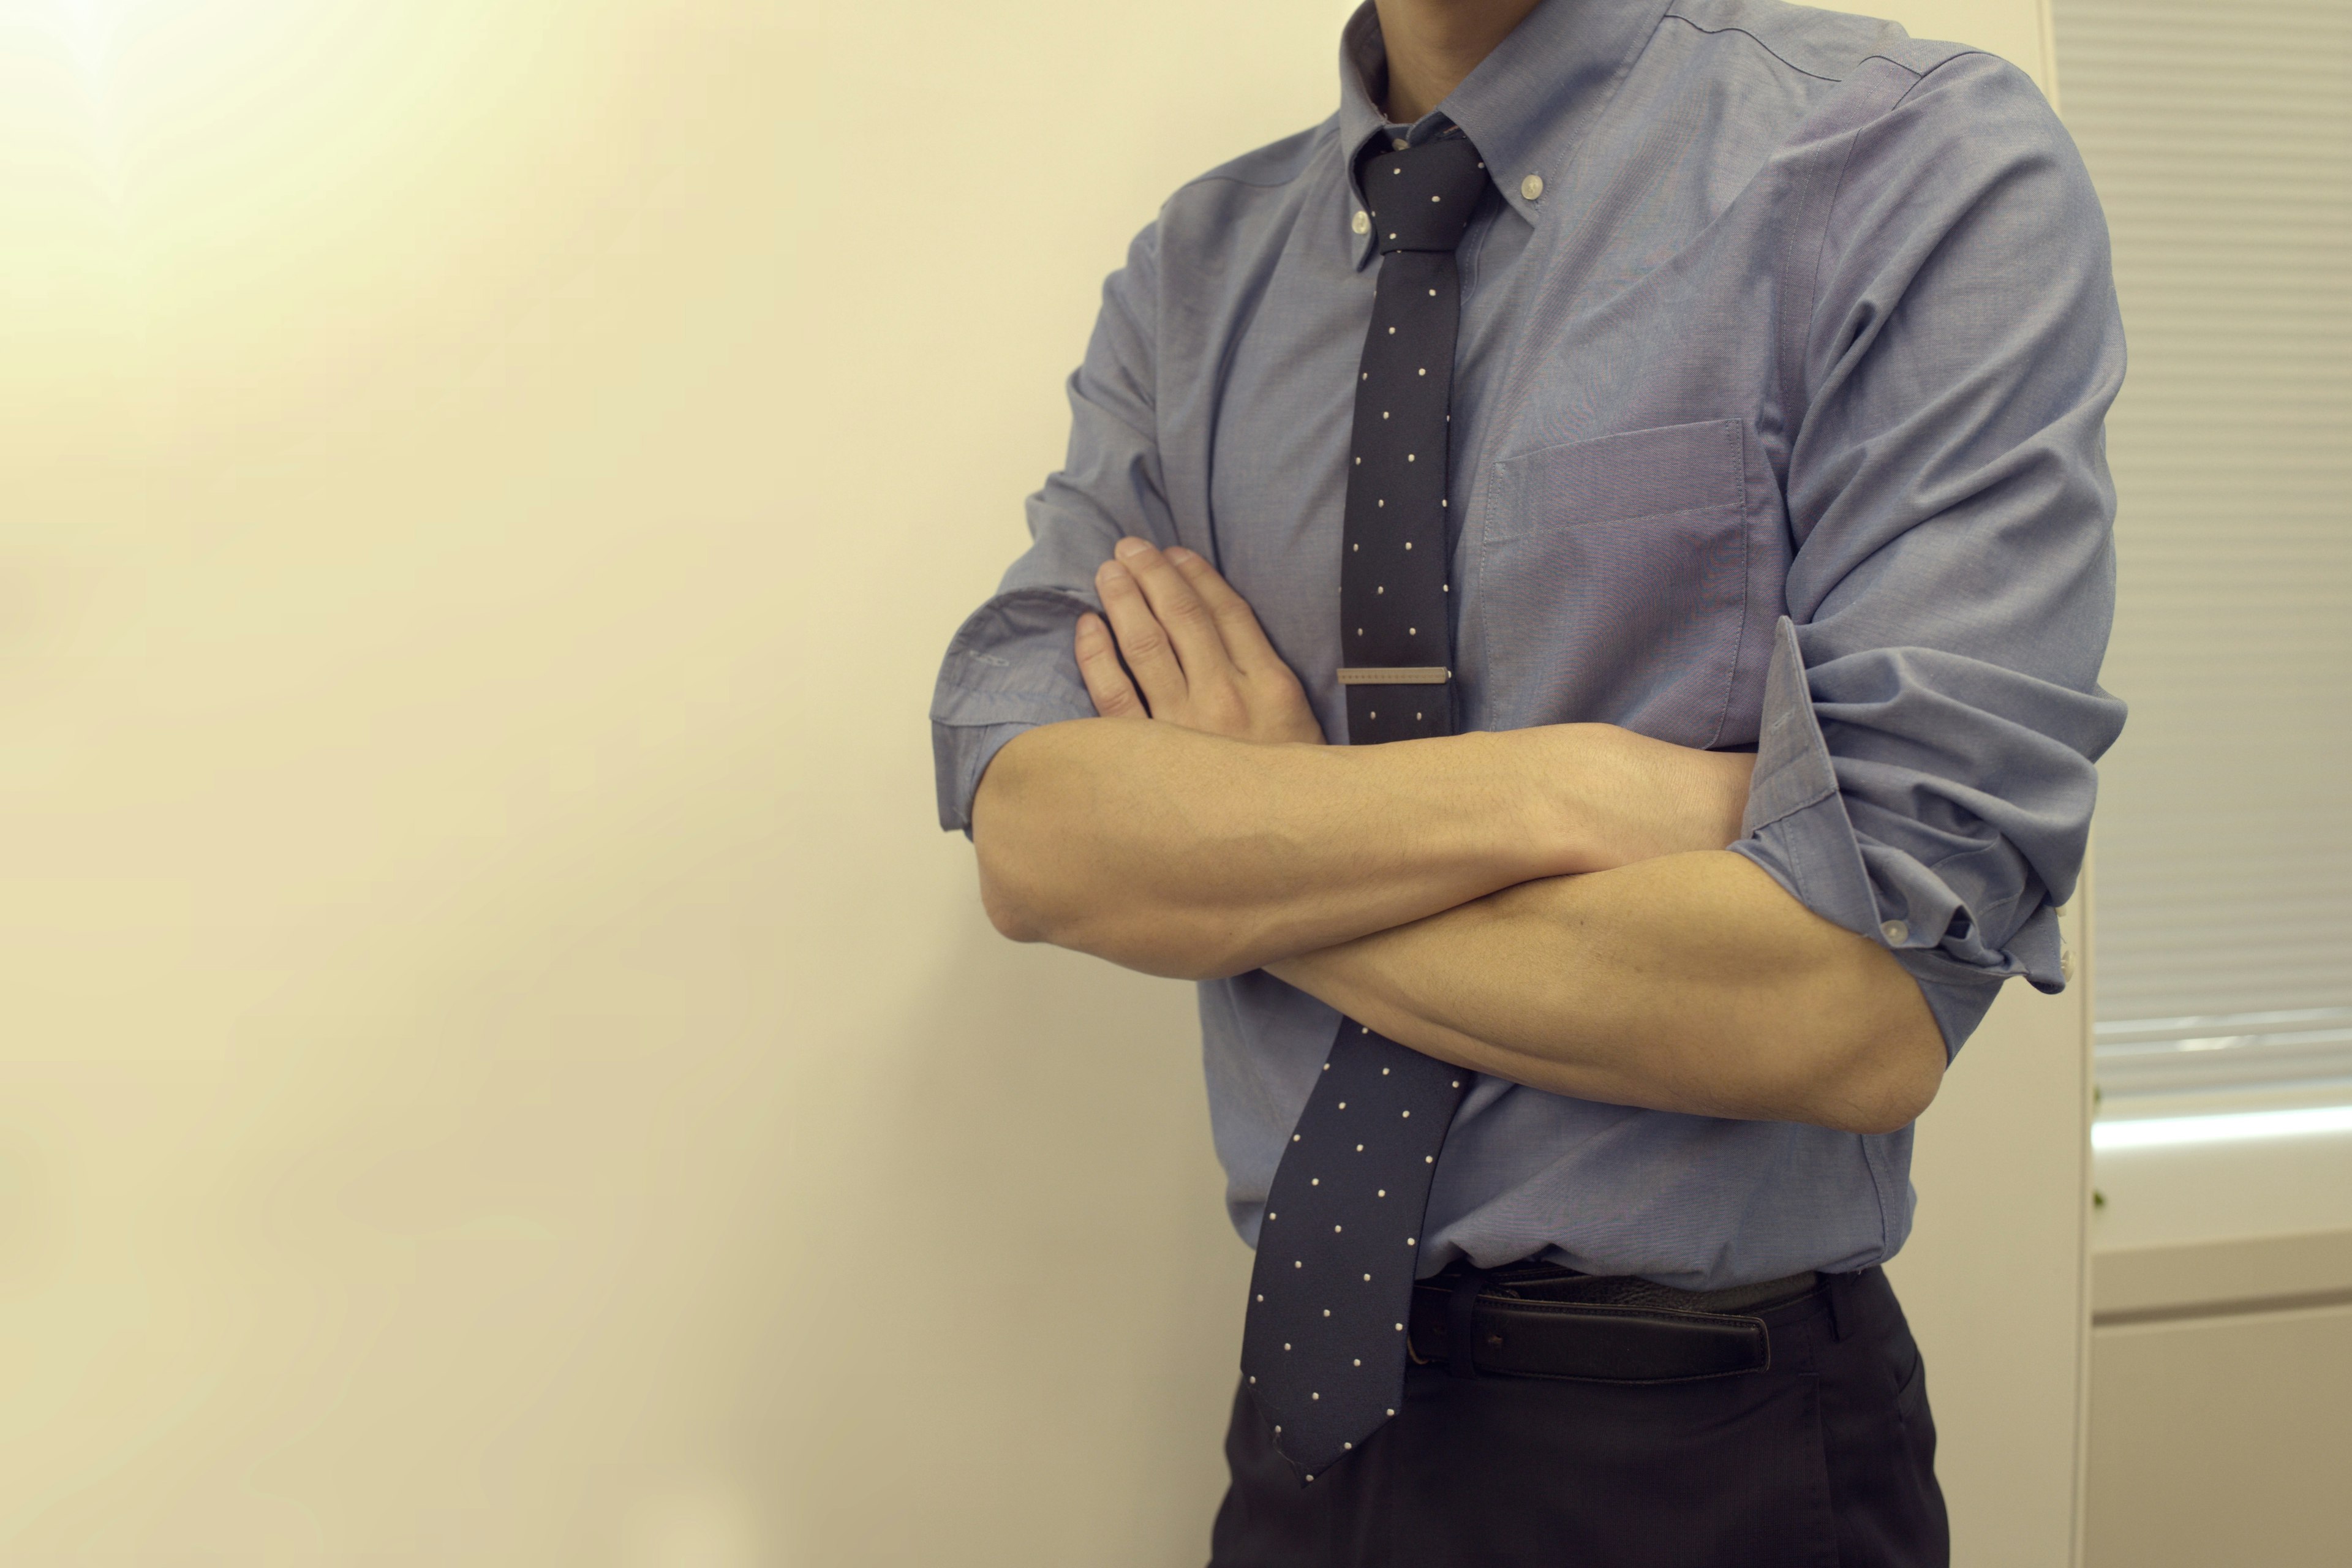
[
  {"x": 1187, "y": 621},
  {"x": 1149, "y": 652},
  {"x": 1245, "y": 641},
  {"x": 1114, "y": 695}
]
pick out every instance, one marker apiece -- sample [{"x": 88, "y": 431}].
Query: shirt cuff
[
  {"x": 1010, "y": 667},
  {"x": 1797, "y": 828}
]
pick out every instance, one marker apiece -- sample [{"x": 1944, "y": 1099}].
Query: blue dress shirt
[{"x": 1786, "y": 342}]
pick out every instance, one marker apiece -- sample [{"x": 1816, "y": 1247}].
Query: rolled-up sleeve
[
  {"x": 1010, "y": 665},
  {"x": 1924, "y": 773}
]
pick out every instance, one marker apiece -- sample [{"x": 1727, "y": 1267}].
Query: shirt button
[
  {"x": 1361, "y": 223},
  {"x": 1399, "y": 142},
  {"x": 1896, "y": 932},
  {"x": 1532, "y": 187},
  {"x": 2066, "y": 962}
]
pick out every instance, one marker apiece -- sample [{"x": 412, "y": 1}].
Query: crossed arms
[
  {"x": 1552, "y": 905},
  {"x": 1557, "y": 905}
]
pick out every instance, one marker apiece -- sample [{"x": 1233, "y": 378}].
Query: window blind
[{"x": 2220, "y": 138}]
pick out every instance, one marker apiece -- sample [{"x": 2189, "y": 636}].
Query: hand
[{"x": 1195, "y": 648}]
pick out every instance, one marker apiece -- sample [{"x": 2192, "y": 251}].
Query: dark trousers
[{"x": 1826, "y": 1459}]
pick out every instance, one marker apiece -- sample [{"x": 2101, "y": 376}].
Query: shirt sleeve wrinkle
[
  {"x": 1932, "y": 712},
  {"x": 1010, "y": 665}
]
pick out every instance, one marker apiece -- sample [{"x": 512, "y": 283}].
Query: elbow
[
  {"x": 1892, "y": 1105},
  {"x": 1169, "y": 945},
  {"x": 1014, "y": 915},
  {"x": 1886, "y": 1081},
  {"x": 1013, "y": 921},
  {"x": 1000, "y": 850},
  {"x": 1035, "y": 888},
  {"x": 1879, "y": 1067}
]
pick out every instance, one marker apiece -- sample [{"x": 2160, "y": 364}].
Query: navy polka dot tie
[{"x": 1324, "y": 1349}]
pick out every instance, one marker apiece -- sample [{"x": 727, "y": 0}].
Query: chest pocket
[{"x": 1613, "y": 582}]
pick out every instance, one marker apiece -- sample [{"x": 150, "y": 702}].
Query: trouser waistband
[{"x": 1541, "y": 1321}]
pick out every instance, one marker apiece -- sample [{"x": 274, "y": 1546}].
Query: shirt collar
[{"x": 1526, "y": 106}]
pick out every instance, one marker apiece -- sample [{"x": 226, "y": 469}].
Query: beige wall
[{"x": 496, "y": 1065}]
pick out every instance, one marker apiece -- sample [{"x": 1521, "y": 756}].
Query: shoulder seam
[
  {"x": 1918, "y": 75},
  {"x": 1218, "y": 177},
  {"x": 1753, "y": 38},
  {"x": 1914, "y": 71},
  {"x": 1837, "y": 187},
  {"x": 1237, "y": 180}
]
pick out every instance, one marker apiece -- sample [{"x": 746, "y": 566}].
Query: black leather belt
[{"x": 1538, "y": 1321}]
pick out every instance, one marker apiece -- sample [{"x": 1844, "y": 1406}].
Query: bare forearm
[
  {"x": 1691, "y": 982},
  {"x": 1180, "y": 853}
]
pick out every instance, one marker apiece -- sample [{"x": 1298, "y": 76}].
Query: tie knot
[{"x": 1421, "y": 198}]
